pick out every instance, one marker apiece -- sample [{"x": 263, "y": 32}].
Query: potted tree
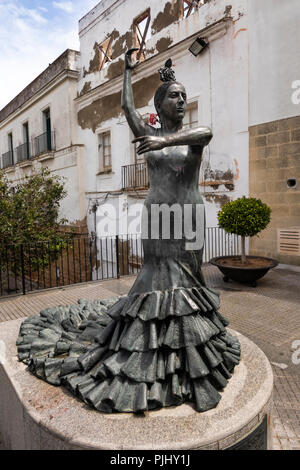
[{"x": 245, "y": 217}]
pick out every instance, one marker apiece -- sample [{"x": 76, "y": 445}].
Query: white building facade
[{"x": 38, "y": 128}]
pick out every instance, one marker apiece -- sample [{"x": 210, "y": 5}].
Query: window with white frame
[
  {"x": 104, "y": 146},
  {"x": 191, "y": 116}
]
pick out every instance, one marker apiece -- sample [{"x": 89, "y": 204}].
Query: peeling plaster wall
[
  {"x": 109, "y": 106},
  {"x": 217, "y": 80},
  {"x": 116, "y": 18}
]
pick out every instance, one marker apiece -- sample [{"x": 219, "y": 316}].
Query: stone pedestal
[{"x": 35, "y": 415}]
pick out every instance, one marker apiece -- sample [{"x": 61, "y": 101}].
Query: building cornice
[
  {"x": 47, "y": 88},
  {"x": 211, "y": 33},
  {"x": 100, "y": 13}
]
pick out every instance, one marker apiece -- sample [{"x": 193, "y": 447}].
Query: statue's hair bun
[{"x": 166, "y": 73}]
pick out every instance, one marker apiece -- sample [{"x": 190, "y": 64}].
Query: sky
[{"x": 33, "y": 33}]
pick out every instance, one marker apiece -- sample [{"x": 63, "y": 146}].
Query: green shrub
[
  {"x": 29, "y": 215},
  {"x": 245, "y": 216}
]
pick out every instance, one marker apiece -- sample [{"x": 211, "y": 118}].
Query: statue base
[{"x": 36, "y": 415}]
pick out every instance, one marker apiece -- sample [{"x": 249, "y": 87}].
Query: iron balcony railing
[
  {"x": 23, "y": 152},
  {"x": 135, "y": 176},
  {"x": 44, "y": 143},
  {"x": 7, "y": 159}
]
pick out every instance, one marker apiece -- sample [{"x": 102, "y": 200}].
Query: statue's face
[{"x": 173, "y": 106}]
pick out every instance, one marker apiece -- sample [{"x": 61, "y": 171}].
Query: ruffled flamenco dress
[{"x": 163, "y": 344}]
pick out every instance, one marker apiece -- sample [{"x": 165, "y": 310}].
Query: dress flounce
[{"x": 135, "y": 353}]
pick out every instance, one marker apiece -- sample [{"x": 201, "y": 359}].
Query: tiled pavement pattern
[{"x": 268, "y": 314}]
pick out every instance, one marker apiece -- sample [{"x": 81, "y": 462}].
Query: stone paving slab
[
  {"x": 30, "y": 304},
  {"x": 268, "y": 314}
]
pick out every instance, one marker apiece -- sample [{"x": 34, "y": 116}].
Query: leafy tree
[
  {"x": 29, "y": 214},
  {"x": 245, "y": 217}
]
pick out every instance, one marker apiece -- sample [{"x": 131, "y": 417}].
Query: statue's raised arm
[
  {"x": 134, "y": 119},
  {"x": 170, "y": 103}
]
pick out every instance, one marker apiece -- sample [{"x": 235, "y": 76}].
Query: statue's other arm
[
  {"x": 134, "y": 119},
  {"x": 193, "y": 137},
  {"x": 200, "y": 136}
]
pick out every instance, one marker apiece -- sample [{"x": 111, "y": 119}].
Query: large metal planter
[{"x": 245, "y": 275}]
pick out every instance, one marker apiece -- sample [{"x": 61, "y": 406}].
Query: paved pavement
[{"x": 268, "y": 314}]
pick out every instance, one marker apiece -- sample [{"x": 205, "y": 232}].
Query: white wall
[
  {"x": 274, "y": 59},
  {"x": 59, "y": 103}
]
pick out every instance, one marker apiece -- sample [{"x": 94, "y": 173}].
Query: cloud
[
  {"x": 28, "y": 45},
  {"x": 16, "y": 10},
  {"x": 65, "y": 6},
  {"x": 31, "y": 38},
  {"x": 36, "y": 16}
]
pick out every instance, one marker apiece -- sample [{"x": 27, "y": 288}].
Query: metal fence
[
  {"x": 30, "y": 267},
  {"x": 219, "y": 243}
]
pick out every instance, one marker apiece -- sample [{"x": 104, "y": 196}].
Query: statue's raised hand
[
  {"x": 148, "y": 143},
  {"x": 129, "y": 64}
]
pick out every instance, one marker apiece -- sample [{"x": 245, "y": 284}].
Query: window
[
  {"x": 191, "y": 116},
  {"x": 11, "y": 148},
  {"x": 190, "y": 6},
  {"x": 26, "y": 140},
  {"x": 105, "y": 49},
  {"x": 105, "y": 151},
  {"x": 47, "y": 128},
  {"x": 142, "y": 33},
  {"x": 7, "y": 158},
  {"x": 22, "y": 151},
  {"x": 45, "y": 142},
  {"x": 25, "y": 132},
  {"x": 138, "y": 158}
]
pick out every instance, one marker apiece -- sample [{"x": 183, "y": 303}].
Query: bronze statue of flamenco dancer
[{"x": 165, "y": 343}]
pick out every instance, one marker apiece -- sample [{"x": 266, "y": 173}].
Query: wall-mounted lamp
[{"x": 198, "y": 46}]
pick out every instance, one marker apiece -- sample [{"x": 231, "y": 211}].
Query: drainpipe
[{"x": 94, "y": 210}]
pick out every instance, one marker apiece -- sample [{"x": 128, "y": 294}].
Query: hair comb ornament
[{"x": 166, "y": 73}]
